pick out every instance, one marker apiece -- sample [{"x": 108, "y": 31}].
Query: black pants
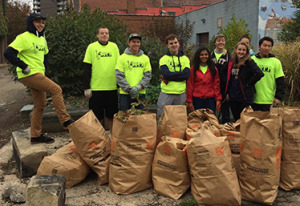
[
  {"x": 236, "y": 108},
  {"x": 261, "y": 107},
  {"x": 225, "y": 112}
]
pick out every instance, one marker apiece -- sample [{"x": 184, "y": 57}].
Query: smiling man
[
  {"x": 221, "y": 57},
  {"x": 100, "y": 84},
  {"x": 133, "y": 73},
  {"x": 270, "y": 89},
  {"x": 175, "y": 71},
  {"x": 28, "y": 52}
]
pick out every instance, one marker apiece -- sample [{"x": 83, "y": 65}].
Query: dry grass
[{"x": 289, "y": 55}]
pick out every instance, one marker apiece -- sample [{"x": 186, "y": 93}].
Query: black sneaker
[
  {"x": 67, "y": 123},
  {"x": 41, "y": 139}
]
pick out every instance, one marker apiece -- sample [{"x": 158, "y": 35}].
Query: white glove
[
  {"x": 88, "y": 93},
  {"x": 26, "y": 71}
]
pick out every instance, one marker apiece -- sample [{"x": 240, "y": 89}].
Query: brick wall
[
  {"x": 113, "y": 5},
  {"x": 188, "y": 2},
  {"x": 148, "y": 24}
]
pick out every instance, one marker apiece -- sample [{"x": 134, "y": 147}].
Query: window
[
  {"x": 219, "y": 22},
  {"x": 171, "y": 13}
]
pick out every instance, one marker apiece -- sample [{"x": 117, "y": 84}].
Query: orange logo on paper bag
[
  {"x": 278, "y": 158},
  {"x": 230, "y": 135},
  {"x": 175, "y": 133},
  {"x": 194, "y": 126},
  {"x": 219, "y": 151},
  {"x": 149, "y": 145},
  {"x": 93, "y": 145},
  {"x": 73, "y": 148},
  {"x": 112, "y": 145},
  {"x": 257, "y": 153},
  {"x": 167, "y": 149}
]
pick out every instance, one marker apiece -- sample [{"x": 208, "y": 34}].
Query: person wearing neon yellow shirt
[
  {"x": 175, "y": 71},
  {"x": 99, "y": 76},
  {"x": 133, "y": 73},
  {"x": 28, "y": 52},
  {"x": 270, "y": 89}
]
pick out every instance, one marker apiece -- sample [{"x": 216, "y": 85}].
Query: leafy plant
[
  {"x": 153, "y": 92},
  {"x": 291, "y": 66},
  {"x": 155, "y": 50},
  {"x": 68, "y": 36},
  {"x": 184, "y": 31},
  {"x": 16, "y": 14},
  {"x": 233, "y": 32},
  {"x": 290, "y": 30}
]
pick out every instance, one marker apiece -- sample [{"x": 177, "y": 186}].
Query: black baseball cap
[
  {"x": 36, "y": 16},
  {"x": 135, "y": 35}
]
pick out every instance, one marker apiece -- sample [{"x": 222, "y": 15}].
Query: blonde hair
[{"x": 243, "y": 60}]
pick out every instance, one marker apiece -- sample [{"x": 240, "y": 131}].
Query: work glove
[
  {"x": 134, "y": 91},
  {"x": 26, "y": 70},
  {"x": 218, "y": 106},
  {"x": 190, "y": 106},
  {"x": 88, "y": 93}
]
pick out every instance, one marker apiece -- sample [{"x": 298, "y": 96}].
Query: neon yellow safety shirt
[
  {"x": 103, "y": 59},
  {"x": 134, "y": 68},
  {"x": 31, "y": 51},
  {"x": 266, "y": 86},
  {"x": 174, "y": 87}
]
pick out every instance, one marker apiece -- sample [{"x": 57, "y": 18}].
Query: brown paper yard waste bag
[
  {"x": 290, "y": 165},
  {"x": 170, "y": 173},
  {"x": 213, "y": 177},
  {"x": 197, "y": 118},
  {"x": 67, "y": 162},
  {"x": 132, "y": 152},
  {"x": 173, "y": 122},
  {"x": 232, "y": 131},
  {"x": 261, "y": 147},
  {"x": 93, "y": 144}
]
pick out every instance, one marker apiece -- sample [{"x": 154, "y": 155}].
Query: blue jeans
[
  {"x": 125, "y": 102},
  {"x": 209, "y": 103}
]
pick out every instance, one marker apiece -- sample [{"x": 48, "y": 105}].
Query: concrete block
[
  {"x": 51, "y": 122},
  {"x": 46, "y": 190},
  {"x": 28, "y": 156}
]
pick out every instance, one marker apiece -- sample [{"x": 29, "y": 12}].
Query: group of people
[
  {"x": 223, "y": 82},
  {"x": 217, "y": 80}
]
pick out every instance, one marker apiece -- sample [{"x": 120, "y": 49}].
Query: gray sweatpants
[{"x": 169, "y": 99}]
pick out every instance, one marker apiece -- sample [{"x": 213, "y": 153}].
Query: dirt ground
[{"x": 13, "y": 98}]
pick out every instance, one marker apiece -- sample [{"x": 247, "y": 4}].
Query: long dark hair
[{"x": 210, "y": 63}]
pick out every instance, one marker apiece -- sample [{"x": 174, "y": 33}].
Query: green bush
[
  {"x": 289, "y": 55},
  {"x": 155, "y": 50},
  {"x": 152, "y": 94},
  {"x": 233, "y": 32},
  {"x": 68, "y": 36}
]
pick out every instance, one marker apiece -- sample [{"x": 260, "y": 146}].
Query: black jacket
[
  {"x": 249, "y": 74},
  {"x": 222, "y": 69}
]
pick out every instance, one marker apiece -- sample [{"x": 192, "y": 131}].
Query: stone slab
[
  {"x": 51, "y": 122},
  {"x": 28, "y": 156},
  {"x": 27, "y": 108},
  {"x": 46, "y": 190}
]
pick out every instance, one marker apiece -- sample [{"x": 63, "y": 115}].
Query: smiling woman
[{"x": 242, "y": 74}]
